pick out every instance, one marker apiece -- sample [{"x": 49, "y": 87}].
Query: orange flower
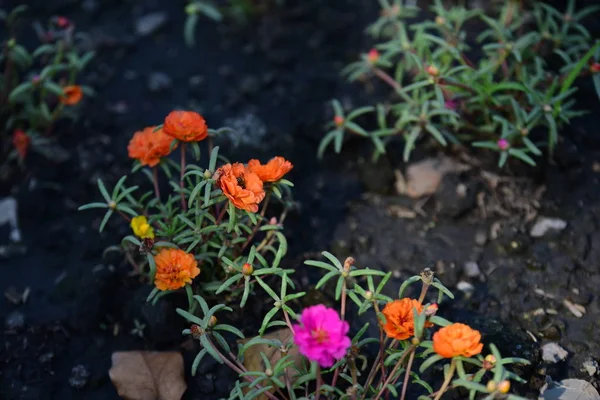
[
  {"x": 399, "y": 318},
  {"x": 71, "y": 95},
  {"x": 21, "y": 142},
  {"x": 174, "y": 268},
  {"x": 241, "y": 186},
  {"x": 272, "y": 171},
  {"x": 457, "y": 340},
  {"x": 148, "y": 146},
  {"x": 187, "y": 126}
]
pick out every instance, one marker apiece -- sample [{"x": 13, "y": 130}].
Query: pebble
[
  {"x": 150, "y": 23},
  {"x": 569, "y": 389},
  {"x": 472, "y": 269},
  {"x": 480, "y": 238},
  {"x": 159, "y": 82},
  {"x": 591, "y": 367},
  {"x": 465, "y": 287},
  {"x": 79, "y": 376},
  {"x": 544, "y": 225},
  {"x": 8, "y": 215},
  {"x": 553, "y": 353},
  {"x": 14, "y": 321}
]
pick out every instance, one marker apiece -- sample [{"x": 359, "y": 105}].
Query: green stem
[
  {"x": 182, "y": 172},
  {"x": 447, "y": 380},
  {"x": 408, "y": 350}
]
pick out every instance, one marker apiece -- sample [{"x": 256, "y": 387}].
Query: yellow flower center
[{"x": 320, "y": 335}]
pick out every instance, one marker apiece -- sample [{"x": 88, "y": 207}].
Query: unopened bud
[
  {"x": 547, "y": 108},
  {"x": 368, "y": 295},
  {"x": 112, "y": 205},
  {"x": 277, "y": 304},
  {"x": 338, "y": 120},
  {"x": 269, "y": 372},
  {"x": 415, "y": 341},
  {"x": 208, "y": 174},
  {"x": 503, "y": 144},
  {"x": 348, "y": 264},
  {"x": 373, "y": 56},
  {"x": 11, "y": 43},
  {"x": 431, "y": 309},
  {"x": 432, "y": 70},
  {"x": 595, "y": 68},
  {"x": 439, "y": 20},
  {"x": 212, "y": 321},
  {"x": 491, "y": 386},
  {"x": 524, "y": 132},
  {"x": 196, "y": 331},
  {"x": 489, "y": 362},
  {"x": 504, "y": 387},
  {"x": 247, "y": 269}
]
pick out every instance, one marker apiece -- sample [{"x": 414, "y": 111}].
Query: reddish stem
[{"x": 155, "y": 182}]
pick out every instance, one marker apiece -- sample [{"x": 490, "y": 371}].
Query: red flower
[
  {"x": 186, "y": 126},
  {"x": 21, "y": 142}
]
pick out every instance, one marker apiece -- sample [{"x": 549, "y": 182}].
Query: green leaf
[
  {"x": 18, "y": 92},
  {"x": 191, "y": 318},
  {"x": 577, "y": 69},
  {"x": 407, "y": 283},
  {"x": 92, "y": 205},
  {"x": 197, "y": 360},
  {"x": 209, "y": 347},
  {"x": 520, "y": 154},
  {"x": 105, "y": 219},
  {"x": 189, "y": 29},
  {"x": 266, "y": 320},
  {"x": 439, "y": 321}
]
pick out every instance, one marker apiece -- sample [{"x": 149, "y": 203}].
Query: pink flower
[
  {"x": 451, "y": 104},
  {"x": 321, "y": 337},
  {"x": 502, "y": 144}
]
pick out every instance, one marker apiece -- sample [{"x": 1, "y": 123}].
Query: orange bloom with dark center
[
  {"x": 241, "y": 186},
  {"x": 399, "y": 318},
  {"x": 71, "y": 95},
  {"x": 272, "y": 171},
  {"x": 187, "y": 126},
  {"x": 149, "y": 147},
  {"x": 21, "y": 142},
  {"x": 457, "y": 340},
  {"x": 174, "y": 268}
]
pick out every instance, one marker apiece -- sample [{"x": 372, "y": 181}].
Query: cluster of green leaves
[
  {"x": 220, "y": 236},
  {"x": 240, "y": 10},
  {"x": 33, "y": 81},
  {"x": 512, "y": 87},
  {"x": 286, "y": 377}
]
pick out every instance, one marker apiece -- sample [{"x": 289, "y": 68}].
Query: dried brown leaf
[{"x": 146, "y": 375}]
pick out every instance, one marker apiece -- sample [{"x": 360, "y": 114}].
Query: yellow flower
[{"x": 142, "y": 228}]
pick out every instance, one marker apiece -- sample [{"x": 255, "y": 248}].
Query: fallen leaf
[
  {"x": 253, "y": 361},
  {"x": 147, "y": 375}
]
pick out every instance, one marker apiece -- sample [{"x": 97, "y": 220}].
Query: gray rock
[
  {"x": 79, "y": 376},
  {"x": 465, "y": 287},
  {"x": 481, "y": 238},
  {"x": 472, "y": 269},
  {"x": 14, "y": 321},
  {"x": 569, "y": 389},
  {"x": 591, "y": 367},
  {"x": 8, "y": 215},
  {"x": 159, "y": 82},
  {"x": 150, "y": 23},
  {"x": 543, "y": 225},
  {"x": 553, "y": 353}
]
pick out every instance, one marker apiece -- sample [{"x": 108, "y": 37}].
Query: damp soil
[{"x": 272, "y": 80}]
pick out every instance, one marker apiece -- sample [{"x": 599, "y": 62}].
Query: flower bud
[
  {"x": 595, "y": 68},
  {"x": 338, "y": 120},
  {"x": 11, "y": 43},
  {"x": 348, "y": 262},
  {"x": 415, "y": 341},
  {"x": 62, "y": 22},
  {"x": 368, "y": 295},
  {"x": 524, "y": 132},
  {"x": 489, "y": 362},
  {"x": 432, "y": 70},
  {"x": 36, "y": 79},
  {"x": 112, "y": 205},
  {"x": 547, "y": 108},
  {"x": 208, "y": 174},
  {"x": 502, "y": 144},
  {"x": 247, "y": 269},
  {"x": 277, "y": 304},
  {"x": 269, "y": 372},
  {"x": 196, "y": 331},
  {"x": 212, "y": 321},
  {"x": 373, "y": 56},
  {"x": 504, "y": 387},
  {"x": 431, "y": 309},
  {"x": 439, "y": 20},
  {"x": 491, "y": 386}
]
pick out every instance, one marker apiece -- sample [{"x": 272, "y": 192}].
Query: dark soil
[{"x": 276, "y": 75}]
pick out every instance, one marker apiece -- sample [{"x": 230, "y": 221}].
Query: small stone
[
  {"x": 79, "y": 376},
  {"x": 569, "y": 389},
  {"x": 544, "y": 225},
  {"x": 480, "y": 238},
  {"x": 159, "y": 82},
  {"x": 553, "y": 353},
  {"x": 591, "y": 367},
  {"x": 8, "y": 215},
  {"x": 150, "y": 23},
  {"x": 46, "y": 357},
  {"x": 472, "y": 269},
  {"x": 14, "y": 321},
  {"x": 465, "y": 287}
]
